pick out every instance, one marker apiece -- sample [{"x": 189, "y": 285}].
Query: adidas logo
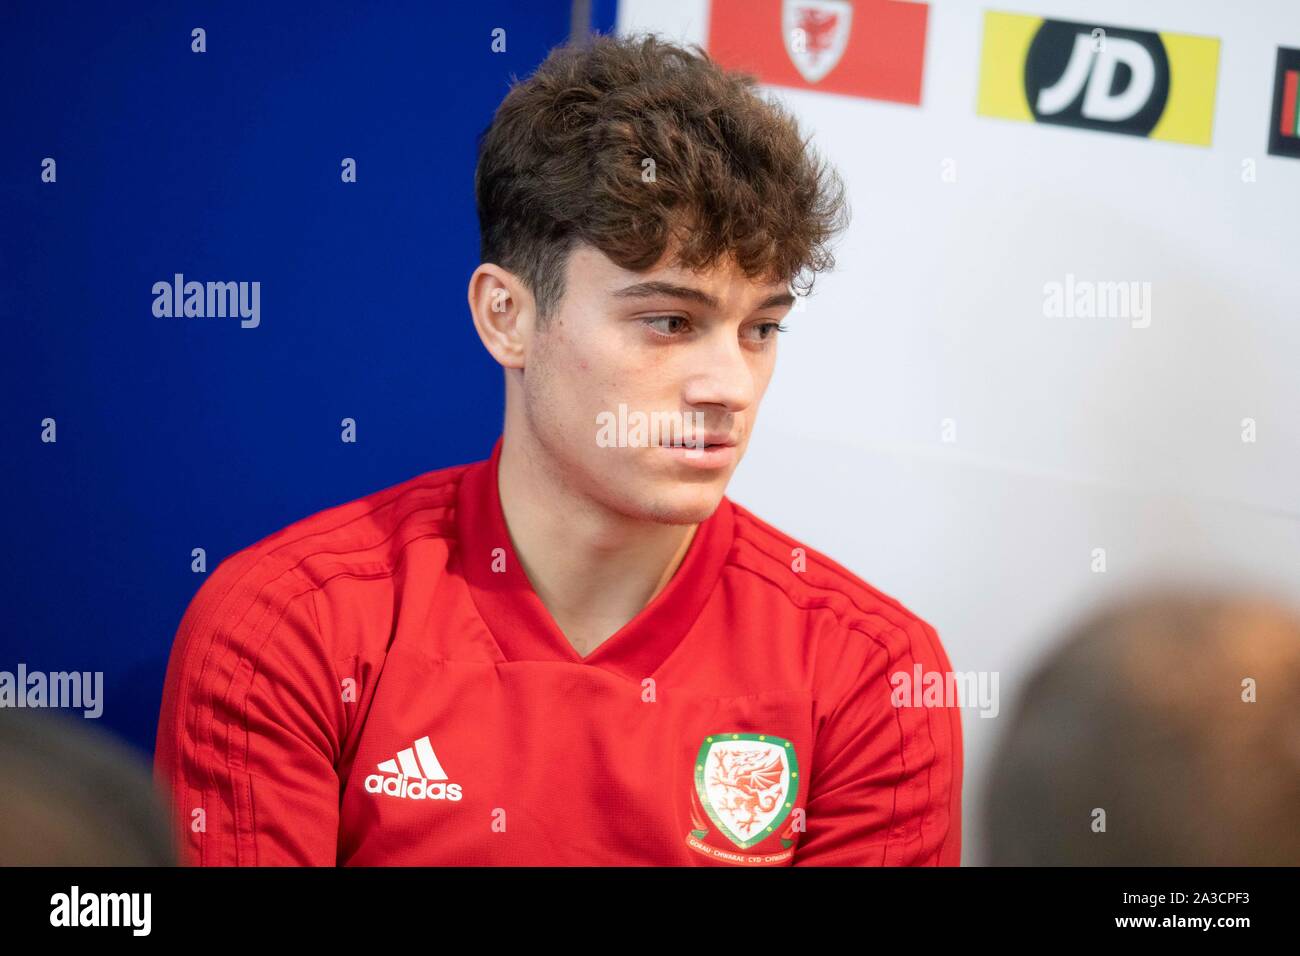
[{"x": 417, "y": 775}]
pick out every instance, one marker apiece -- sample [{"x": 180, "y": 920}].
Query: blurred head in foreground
[
  {"x": 71, "y": 795},
  {"x": 1178, "y": 715}
]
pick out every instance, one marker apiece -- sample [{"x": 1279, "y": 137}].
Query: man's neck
[{"x": 592, "y": 568}]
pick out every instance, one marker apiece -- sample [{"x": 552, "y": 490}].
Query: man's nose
[{"x": 722, "y": 376}]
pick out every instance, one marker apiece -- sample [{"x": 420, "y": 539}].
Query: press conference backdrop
[
  {"x": 137, "y": 149},
  {"x": 964, "y": 414}
]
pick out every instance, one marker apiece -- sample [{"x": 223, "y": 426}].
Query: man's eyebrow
[
  {"x": 776, "y": 299},
  {"x": 644, "y": 290}
]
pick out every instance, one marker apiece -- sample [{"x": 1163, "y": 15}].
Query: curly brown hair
[{"x": 565, "y": 160}]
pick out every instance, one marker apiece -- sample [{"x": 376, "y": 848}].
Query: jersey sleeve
[
  {"x": 249, "y": 729},
  {"x": 886, "y": 786}
]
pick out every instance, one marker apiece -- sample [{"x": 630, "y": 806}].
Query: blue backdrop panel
[{"x": 224, "y": 166}]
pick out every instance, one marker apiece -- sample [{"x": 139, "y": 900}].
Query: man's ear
[{"x": 504, "y": 313}]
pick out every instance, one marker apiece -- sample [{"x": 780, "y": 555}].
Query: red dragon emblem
[
  {"x": 746, "y": 784},
  {"x": 750, "y": 784}
]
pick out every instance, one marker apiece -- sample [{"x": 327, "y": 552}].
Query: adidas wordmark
[{"x": 415, "y": 774}]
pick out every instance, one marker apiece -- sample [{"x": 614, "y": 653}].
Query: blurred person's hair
[
  {"x": 564, "y": 160},
  {"x": 1140, "y": 713},
  {"x": 72, "y": 795}
]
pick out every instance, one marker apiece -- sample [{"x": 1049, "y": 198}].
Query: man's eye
[
  {"x": 771, "y": 328},
  {"x": 655, "y": 323}
]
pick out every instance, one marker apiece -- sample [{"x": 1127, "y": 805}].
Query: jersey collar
[{"x": 519, "y": 621}]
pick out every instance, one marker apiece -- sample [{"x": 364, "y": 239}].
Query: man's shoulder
[
  {"x": 364, "y": 535},
  {"x": 812, "y": 580}
]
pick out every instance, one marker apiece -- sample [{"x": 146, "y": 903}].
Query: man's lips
[
  {"x": 709, "y": 441},
  {"x": 710, "y": 456}
]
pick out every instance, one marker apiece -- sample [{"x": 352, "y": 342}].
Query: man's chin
[
  {"x": 650, "y": 494},
  {"x": 679, "y": 509}
]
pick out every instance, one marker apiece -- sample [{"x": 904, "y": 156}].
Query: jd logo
[
  {"x": 1097, "y": 77},
  {"x": 1136, "y": 82}
]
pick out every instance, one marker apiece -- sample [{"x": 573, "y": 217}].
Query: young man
[{"x": 579, "y": 652}]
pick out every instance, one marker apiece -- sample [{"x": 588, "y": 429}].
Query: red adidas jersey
[{"x": 378, "y": 684}]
